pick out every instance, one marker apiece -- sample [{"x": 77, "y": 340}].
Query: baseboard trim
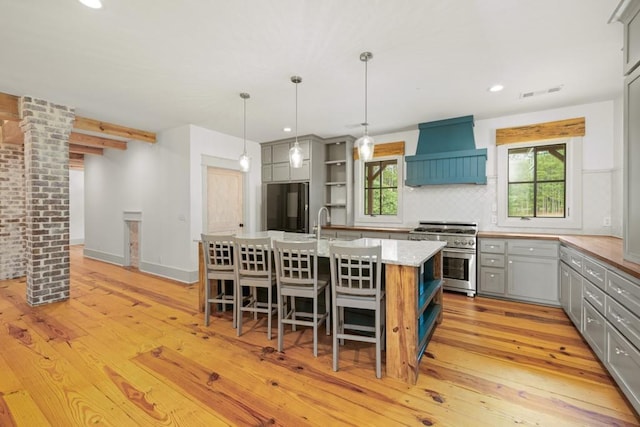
[
  {"x": 183, "y": 276},
  {"x": 103, "y": 256}
]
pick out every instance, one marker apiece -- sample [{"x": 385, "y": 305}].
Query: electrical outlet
[
  {"x": 494, "y": 219},
  {"x": 606, "y": 221}
]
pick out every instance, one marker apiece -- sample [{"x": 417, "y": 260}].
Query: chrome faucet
[{"x": 327, "y": 217}]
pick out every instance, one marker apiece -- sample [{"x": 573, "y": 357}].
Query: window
[
  {"x": 381, "y": 187},
  {"x": 378, "y": 186},
  {"x": 540, "y": 184},
  {"x": 537, "y": 184}
]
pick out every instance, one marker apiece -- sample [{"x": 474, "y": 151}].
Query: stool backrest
[
  {"x": 296, "y": 262},
  {"x": 253, "y": 256},
  {"x": 218, "y": 251},
  {"x": 356, "y": 270}
]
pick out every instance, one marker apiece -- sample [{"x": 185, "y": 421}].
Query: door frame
[{"x": 222, "y": 163}]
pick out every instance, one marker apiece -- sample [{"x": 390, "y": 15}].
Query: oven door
[{"x": 459, "y": 270}]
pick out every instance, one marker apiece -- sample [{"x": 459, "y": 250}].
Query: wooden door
[
  {"x": 224, "y": 200},
  {"x": 133, "y": 244}
]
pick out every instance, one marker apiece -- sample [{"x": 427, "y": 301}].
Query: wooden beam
[
  {"x": 82, "y": 149},
  {"x": 96, "y": 141},
  {"x": 83, "y": 123},
  {"x": 11, "y": 133},
  {"x": 541, "y": 131},
  {"x": 9, "y": 107},
  {"x": 386, "y": 149},
  {"x": 76, "y": 156}
]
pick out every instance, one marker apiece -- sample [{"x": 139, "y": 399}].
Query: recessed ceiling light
[
  {"x": 287, "y": 129},
  {"x": 496, "y": 88},
  {"x": 93, "y": 4}
]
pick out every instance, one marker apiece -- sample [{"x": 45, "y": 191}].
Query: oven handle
[{"x": 458, "y": 253}]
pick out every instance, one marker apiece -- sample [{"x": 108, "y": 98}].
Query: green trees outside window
[
  {"x": 381, "y": 187},
  {"x": 537, "y": 181}
]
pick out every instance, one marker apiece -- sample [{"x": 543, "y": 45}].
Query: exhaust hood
[{"x": 447, "y": 154}]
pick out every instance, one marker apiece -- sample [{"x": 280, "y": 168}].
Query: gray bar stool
[
  {"x": 217, "y": 250},
  {"x": 356, "y": 283},
  {"x": 297, "y": 277},
  {"x": 253, "y": 266}
]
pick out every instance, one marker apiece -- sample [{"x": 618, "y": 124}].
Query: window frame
[
  {"x": 573, "y": 186},
  {"x": 359, "y": 193}
]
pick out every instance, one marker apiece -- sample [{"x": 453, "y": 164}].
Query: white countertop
[{"x": 399, "y": 252}]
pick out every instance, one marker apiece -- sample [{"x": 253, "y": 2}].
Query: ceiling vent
[{"x": 541, "y": 92}]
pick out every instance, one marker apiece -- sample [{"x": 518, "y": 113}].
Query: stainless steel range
[{"x": 458, "y": 257}]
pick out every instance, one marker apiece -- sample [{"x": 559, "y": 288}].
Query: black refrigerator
[{"x": 287, "y": 207}]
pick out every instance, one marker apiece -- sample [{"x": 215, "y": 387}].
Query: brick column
[
  {"x": 46, "y": 128},
  {"x": 12, "y": 212}
]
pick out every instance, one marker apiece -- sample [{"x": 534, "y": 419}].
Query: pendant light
[
  {"x": 364, "y": 144},
  {"x": 295, "y": 153},
  {"x": 245, "y": 161}
]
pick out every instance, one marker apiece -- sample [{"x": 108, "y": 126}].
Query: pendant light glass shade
[
  {"x": 364, "y": 144},
  {"x": 245, "y": 160},
  {"x": 295, "y": 153}
]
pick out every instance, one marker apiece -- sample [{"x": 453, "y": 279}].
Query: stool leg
[
  {"x": 207, "y": 304},
  {"x": 315, "y": 326}
]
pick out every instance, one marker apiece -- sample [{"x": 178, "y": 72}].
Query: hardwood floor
[{"x": 129, "y": 349}]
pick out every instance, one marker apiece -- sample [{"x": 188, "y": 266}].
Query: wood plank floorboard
[{"x": 131, "y": 349}]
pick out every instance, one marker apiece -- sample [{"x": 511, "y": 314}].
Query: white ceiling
[{"x": 157, "y": 64}]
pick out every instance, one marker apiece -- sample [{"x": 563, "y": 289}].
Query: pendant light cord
[
  {"x": 245, "y": 123},
  {"x": 366, "y": 121},
  {"x": 296, "y": 112}
]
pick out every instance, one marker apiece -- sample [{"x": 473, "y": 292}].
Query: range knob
[{"x": 456, "y": 242}]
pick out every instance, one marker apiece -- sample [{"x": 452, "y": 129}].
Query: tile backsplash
[{"x": 602, "y": 192}]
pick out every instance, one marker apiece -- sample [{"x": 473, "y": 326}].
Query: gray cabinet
[
  {"x": 275, "y": 162},
  {"x": 607, "y": 302},
  {"x": 631, "y": 171},
  {"x": 565, "y": 289},
  {"x": 492, "y": 275},
  {"x": 628, "y": 12},
  {"x": 524, "y": 270}
]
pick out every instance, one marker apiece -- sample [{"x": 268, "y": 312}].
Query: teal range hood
[{"x": 447, "y": 154}]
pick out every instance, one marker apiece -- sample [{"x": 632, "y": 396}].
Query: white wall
[
  {"x": 76, "y": 207},
  {"x": 163, "y": 181},
  {"x": 469, "y": 202},
  {"x": 149, "y": 178}
]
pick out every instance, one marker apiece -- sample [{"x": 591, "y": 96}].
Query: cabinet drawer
[
  {"x": 594, "y": 296},
  {"x": 623, "y": 361},
  {"x": 571, "y": 258},
  {"x": 594, "y": 329},
  {"x": 626, "y": 322},
  {"x": 492, "y": 260},
  {"x": 492, "y": 281},
  {"x": 594, "y": 272},
  {"x": 532, "y": 248},
  {"x": 624, "y": 291},
  {"x": 492, "y": 246}
]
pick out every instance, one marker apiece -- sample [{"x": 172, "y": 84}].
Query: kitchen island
[{"x": 413, "y": 289}]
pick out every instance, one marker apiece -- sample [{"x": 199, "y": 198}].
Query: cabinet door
[
  {"x": 301, "y": 174},
  {"x": 575, "y": 302},
  {"x": 280, "y": 172},
  {"x": 631, "y": 171},
  {"x": 266, "y": 173},
  {"x": 533, "y": 279},
  {"x": 280, "y": 152},
  {"x": 266, "y": 154},
  {"x": 565, "y": 286},
  {"x": 492, "y": 281},
  {"x": 623, "y": 361}
]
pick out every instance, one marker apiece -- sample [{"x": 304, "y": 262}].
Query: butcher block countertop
[{"x": 604, "y": 248}]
